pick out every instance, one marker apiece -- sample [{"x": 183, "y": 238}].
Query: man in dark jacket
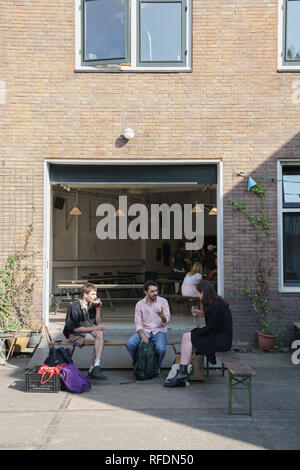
[{"x": 83, "y": 326}]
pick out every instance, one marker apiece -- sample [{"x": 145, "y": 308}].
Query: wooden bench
[
  {"x": 296, "y": 325},
  {"x": 68, "y": 343},
  {"x": 239, "y": 373}
]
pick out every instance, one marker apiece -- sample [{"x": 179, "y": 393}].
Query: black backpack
[
  {"x": 145, "y": 361},
  {"x": 58, "y": 356}
]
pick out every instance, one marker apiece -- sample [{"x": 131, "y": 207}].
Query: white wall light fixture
[{"x": 128, "y": 134}]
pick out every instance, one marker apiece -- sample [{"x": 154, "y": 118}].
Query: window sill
[
  {"x": 289, "y": 68},
  {"x": 116, "y": 69},
  {"x": 290, "y": 290}
]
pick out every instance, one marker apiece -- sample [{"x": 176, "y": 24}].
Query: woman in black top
[{"x": 215, "y": 336}]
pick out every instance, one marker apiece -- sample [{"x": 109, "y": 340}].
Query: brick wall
[{"x": 233, "y": 106}]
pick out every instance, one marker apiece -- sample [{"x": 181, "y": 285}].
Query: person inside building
[
  {"x": 216, "y": 336},
  {"x": 213, "y": 275},
  {"x": 181, "y": 264},
  {"x": 198, "y": 255},
  {"x": 191, "y": 280},
  {"x": 83, "y": 326},
  {"x": 210, "y": 258},
  {"x": 152, "y": 316}
]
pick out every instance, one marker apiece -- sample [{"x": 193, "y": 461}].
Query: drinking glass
[{"x": 194, "y": 311}]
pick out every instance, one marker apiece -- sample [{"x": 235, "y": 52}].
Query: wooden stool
[
  {"x": 197, "y": 361},
  {"x": 198, "y": 372}
]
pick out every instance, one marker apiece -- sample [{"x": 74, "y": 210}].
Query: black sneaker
[
  {"x": 157, "y": 373},
  {"x": 96, "y": 374}
]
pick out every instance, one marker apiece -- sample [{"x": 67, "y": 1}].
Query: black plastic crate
[{"x": 33, "y": 382}]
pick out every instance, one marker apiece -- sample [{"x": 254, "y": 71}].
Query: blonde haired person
[{"x": 191, "y": 280}]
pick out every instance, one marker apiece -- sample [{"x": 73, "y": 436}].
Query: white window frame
[
  {"x": 282, "y": 210},
  {"x": 281, "y": 66},
  {"x": 132, "y": 67}
]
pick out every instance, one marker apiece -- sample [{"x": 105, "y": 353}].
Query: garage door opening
[{"x": 77, "y": 253}]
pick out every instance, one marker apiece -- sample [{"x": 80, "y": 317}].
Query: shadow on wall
[
  {"x": 241, "y": 250},
  {"x": 121, "y": 142}
]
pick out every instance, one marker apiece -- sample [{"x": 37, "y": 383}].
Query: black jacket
[
  {"x": 210, "y": 260},
  {"x": 217, "y": 334},
  {"x": 76, "y": 316}
]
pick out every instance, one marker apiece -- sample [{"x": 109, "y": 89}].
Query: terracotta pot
[{"x": 266, "y": 342}]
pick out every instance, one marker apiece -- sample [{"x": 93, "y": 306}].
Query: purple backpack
[{"x": 73, "y": 380}]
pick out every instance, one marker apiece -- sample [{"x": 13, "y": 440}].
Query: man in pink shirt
[{"x": 152, "y": 316}]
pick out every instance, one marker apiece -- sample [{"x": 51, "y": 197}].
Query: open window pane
[
  {"x": 291, "y": 190},
  {"x": 293, "y": 30},
  {"x": 105, "y": 30},
  {"x": 291, "y": 186},
  {"x": 291, "y": 252},
  {"x": 161, "y": 32}
]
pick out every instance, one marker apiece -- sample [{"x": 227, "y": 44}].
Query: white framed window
[
  {"x": 289, "y": 35},
  {"x": 289, "y": 225},
  {"x": 133, "y": 35},
  {"x": 105, "y": 32}
]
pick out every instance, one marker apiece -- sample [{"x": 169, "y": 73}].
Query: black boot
[
  {"x": 180, "y": 379},
  {"x": 212, "y": 359}
]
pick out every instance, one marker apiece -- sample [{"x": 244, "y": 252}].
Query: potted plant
[
  {"x": 266, "y": 336},
  {"x": 6, "y": 293},
  {"x": 17, "y": 280},
  {"x": 258, "y": 295},
  {"x": 22, "y": 336}
]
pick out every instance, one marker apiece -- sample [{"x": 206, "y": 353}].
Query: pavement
[{"x": 146, "y": 416}]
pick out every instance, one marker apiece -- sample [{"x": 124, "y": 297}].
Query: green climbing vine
[
  {"x": 258, "y": 292},
  {"x": 257, "y": 221}
]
